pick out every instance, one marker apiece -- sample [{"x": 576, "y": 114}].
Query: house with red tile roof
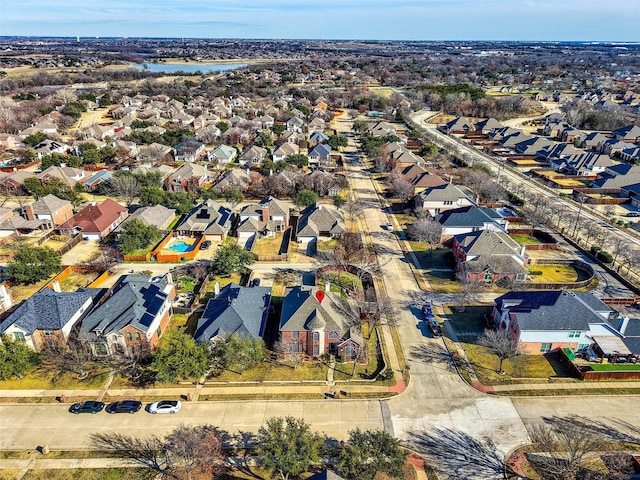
[{"x": 95, "y": 221}]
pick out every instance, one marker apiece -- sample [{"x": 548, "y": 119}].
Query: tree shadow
[
  {"x": 458, "y": 455},
  {"x": 433, "y": 353},
  {"x": 242, "y": 462}
]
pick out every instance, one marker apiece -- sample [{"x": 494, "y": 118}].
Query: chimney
[
  {"x": 169, "y": 278},
  {"x": 56, "y": 286},
  {"x": 624, "y": 322},
  {"x": 29, "y": 213},
  {"x": 327, "y": 287},
  {"x": 216, "y": 289},
  {"x": 265, "y": 213}
]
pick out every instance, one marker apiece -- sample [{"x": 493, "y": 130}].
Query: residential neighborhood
[{"x": 416, "y": 251}]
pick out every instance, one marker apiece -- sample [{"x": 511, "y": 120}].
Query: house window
[
  {"x": 159, "y": 332},
  {"x": 316, "y": 336},
  {"x": 582, "y": 347},
  {"x": 545, "y": 347},
  {"x": 48, "y": 333},
  {"x": 448, "y": 202},
  {"x": 128, "y": 336},
  {"x": 18, "y": 336},
  {"x": 137, "y": 336},
  {"x": 294, "y": 335},
  {"x": 333, "y": 335},
  {"x": 101, "y": 349},
  {"x": 487, "y": 277},
  {"x": 350, "y": 350},
  {"x": 574, "y": 334},
  {"x": 316, "y": 350}
]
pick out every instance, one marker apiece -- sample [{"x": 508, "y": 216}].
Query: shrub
[
  {"x": 535, "y": 272},
  {"x": 604, "y": 256}
]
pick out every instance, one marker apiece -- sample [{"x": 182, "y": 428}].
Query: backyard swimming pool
[{"x": 180, "y": 246}]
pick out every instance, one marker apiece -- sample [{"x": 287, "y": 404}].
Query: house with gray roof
[
  {"x": 253, "y": 156},
  {"x": 543, "y": 321},
  {"x": 630, "y": 134},
  {"x": 443, "y": 197},
  {"x": 158, "y": 215},
  {"x": 223, "y": 154},
  {"x": 235, "y": 310},
  {"x": 471, "y": 219},
  {"x": 210, "y": 219},
  {"x": 132, "y": 319},
  {"x": 48, "y": 317},
  {"x": 189, "y": 177},
  {"x": 488, "y": 125},
  {"x": 314, "y": 324},
  {"x": 51, "y": 209},
  {"x": 265, "y": 218},
  {"x": 320, "y": 154},
  {"x": 459, "y": 125},
  {"x": 319, "y": 222},
  {"x": 101, "y": 176},
  {"x": 189, "y": 150},
  {"x": 490, "y": 256}
]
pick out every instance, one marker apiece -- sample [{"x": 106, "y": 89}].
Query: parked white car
[{"x": 165, "y": 406}]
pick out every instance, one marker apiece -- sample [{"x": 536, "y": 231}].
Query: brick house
[
  {"x": 47, "y": 318},
  {"x": 543, "y": 321},
  {"x": 132, "y": 319},
  {"x": 51, "y": 208},
  {"x": 314, "y": 327},
  {"x": 95, "y": 221}
]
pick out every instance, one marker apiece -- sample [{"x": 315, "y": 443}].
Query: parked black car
[
  {"x": 205, "y": 245},
  {"x": 89, "y": 406},
  {"x": 255, "y": 282},
  {"x": 436, "y": 329},
  {"x": 126, "y": 406}
]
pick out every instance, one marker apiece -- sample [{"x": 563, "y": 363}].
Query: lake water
[{"x": 189, "y": 67}]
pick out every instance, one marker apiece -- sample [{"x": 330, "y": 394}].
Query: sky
[{"x": 539, "y": 20}]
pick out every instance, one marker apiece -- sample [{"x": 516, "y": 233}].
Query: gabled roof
[
  {"x": 208, "y": 217},
  {"x": 48, "y": 205},
  {"x": 630, "y": 131},
  {"x": 301, "y": 310},
  {"x": 275, "y": 206},
  {"x": 236, "y": 309},
  {"x": 326, "y": 475},
  {"x": 188, "y": 146},
  {"x": 447, "y": 192},
  {"x": 488, "y": 242},
  {"x": 554, "y": 310},
  {"x": 468, "y": 217},
  {"x": 187, "y": 171},
  {"x": 95, "y": 218},
  {"x": 135, "y": 301},
  {"x": 488, "y": 124},
  {"x": 320, "y": 150},
  {"x": 48, "y": 310},
  {"x": 317, "y": 218},
  {"x": 156, "y": 215}
]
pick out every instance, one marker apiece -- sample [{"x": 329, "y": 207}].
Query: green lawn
[
  {"x": 38, "y": 380},
  {"x": 471, "y": 320},
  {"x": 607, "y": 367},
  {"x": 439, "y": 257},
  {"x": 557, "y": 274},
  {"x": 525, "y": 239},
  {"x": 281, "y": 371},
  {"x": 518, "y": 369}
]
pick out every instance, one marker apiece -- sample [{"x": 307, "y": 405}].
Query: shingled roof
[
  {"x": 554, "y": 310},
  {"x": 95, "y": 218},
  {"x": 135, "y": 302},
  {"x": 48, "y": 310},
  {"x": 236, "y": 309}
]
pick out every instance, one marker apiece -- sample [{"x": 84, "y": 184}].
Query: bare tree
[
  {"x": 125, "y": 186},
  {"x": 148, "y": 452},
  {"x": 354, "y": 210},
  {"x": 60, "y": 358},
  {"x": 468, "y": 287},
  {"x": 565, "y": 449},
  {"x": 187, "y": 452},
  {"x": 290, "y": 350},
  {"x": 426, "y": 230},
  {"x": 502, "y": 344}
]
